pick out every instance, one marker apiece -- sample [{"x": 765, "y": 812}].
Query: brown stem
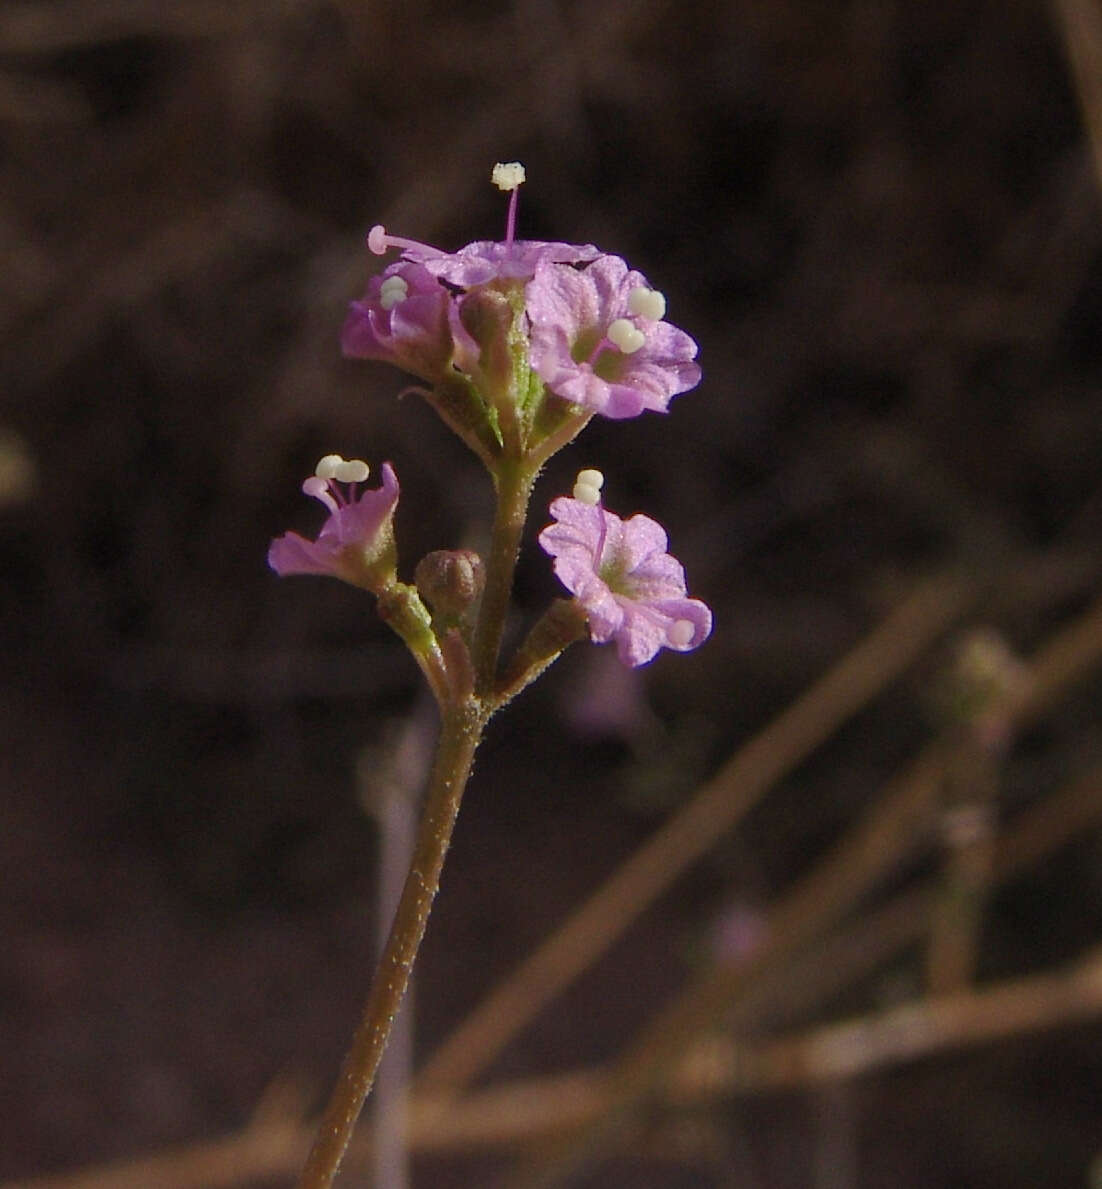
[{"x": 459, "y": 736}]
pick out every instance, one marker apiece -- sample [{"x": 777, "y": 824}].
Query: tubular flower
[
  {"x": 598, "y": 338},
  {"x": 631, "y": 589},
  {"x": 406, "y": 318},
  {"x": 356, "y": 542}
]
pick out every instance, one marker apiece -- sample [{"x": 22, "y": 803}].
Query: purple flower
[
  {"x": 356, "y": 542},
  {"x": 406, "y": 318},
  {"x": 487, "y": 260},
  {"x": 516, "y": 260},
  {"x": 596, "y": 332},
  {"x": 483, "y": 261},
  {"x": 598, "y": 338},
  {"x": 632, "y": 590}
]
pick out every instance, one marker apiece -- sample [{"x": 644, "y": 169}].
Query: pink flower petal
[{"x": 632, "y": 590}]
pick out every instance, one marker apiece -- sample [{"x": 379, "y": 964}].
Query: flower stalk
[
  {"x": 514, "y": 490},
  {"x": 460, "y": 732},
  {"x": 517, "y": 345}
]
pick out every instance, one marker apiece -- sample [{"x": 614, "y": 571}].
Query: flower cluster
[
  {"x": 595, "y": 330},
  {"x": 519, "y": 343}
]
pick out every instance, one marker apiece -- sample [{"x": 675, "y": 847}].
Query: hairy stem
[
  {"x": 460, "y": 733},
  {"x": 561, "y": 436},
  {"x": 514, "y": 489}
]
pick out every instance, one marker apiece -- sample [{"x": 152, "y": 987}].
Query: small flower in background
[
  {"x": 607, "y": 701},
  {"x": 632, "y": 590},
  {"x": 738, "y": 931},
  {"x": 356, "y": 542},
  {"x": 598, "y": 339}
]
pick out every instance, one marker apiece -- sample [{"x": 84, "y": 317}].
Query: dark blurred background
[{"x": 882, "y": 224}]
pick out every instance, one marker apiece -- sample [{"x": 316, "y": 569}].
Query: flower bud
[
  {"x": 450, "y": 581},
  {"x": 488, "y": 316}
]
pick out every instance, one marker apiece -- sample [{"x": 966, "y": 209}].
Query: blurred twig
[
  {"x": 754, "y": 768},
  {"x": 1081, "y": 23},
  {"x": 890, "y": 831},
  {"x": 389, "y": 779},
  {"x": 276, "y": 1140}
]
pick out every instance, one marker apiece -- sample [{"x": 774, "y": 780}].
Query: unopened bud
[
  {"x": 450, "y": 581},
  {"x": 488, "y": 316}
]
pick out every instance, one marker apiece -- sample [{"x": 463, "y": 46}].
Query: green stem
[
  {"x": 561, "y": 624},
  {"x": 514, "y": 489},
  {"x": 400, "y": 607},
  {"x": 460, "y": 732}
]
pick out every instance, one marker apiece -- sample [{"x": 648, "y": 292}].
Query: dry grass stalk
[{"x": 893, "y": 826}]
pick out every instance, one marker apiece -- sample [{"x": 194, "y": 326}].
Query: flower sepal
[
  {"x": 401, "y": 609},
  {"x": 493, "y": 315},
  {"x": 555, "y": 423},
  {"x": 471, "y": 418},
  {"x": 563, "y": 623}
]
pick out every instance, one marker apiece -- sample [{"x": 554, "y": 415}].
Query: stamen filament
[
  {"x": 511, "y": 217},
  {"x": 324, "y": 491},
  {"x": 603, "y": 345},
  {"x": 602, "y": 537}
]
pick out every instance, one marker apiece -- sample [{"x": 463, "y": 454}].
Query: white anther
[
  {"x": 392, "y": 291},
  {"x": 681, "y": 633},
  {"x": 587, "y": 487},
  {"x": 507, "y": 175},
  {"x": 626, "y": 336},
  {"x": 647, "y": 303},
  {"x": 333, "y": 466},
  {"x": 327, "y": 466},
  {"x": 355, "y": 470}
]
